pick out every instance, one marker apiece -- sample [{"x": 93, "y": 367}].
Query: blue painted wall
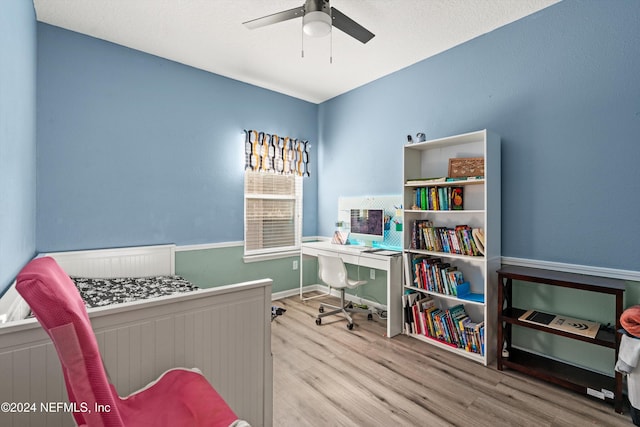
[
  {"x": 136, "y": 150},
  {"x": 17, "y": 137},
  {"x": 561, "y": 87}
]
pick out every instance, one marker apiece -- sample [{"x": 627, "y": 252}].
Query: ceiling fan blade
[
  {"x": 349, "y": 26},
  {"x": 285, "y": 15}
]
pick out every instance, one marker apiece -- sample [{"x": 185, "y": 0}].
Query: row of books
[
  {"x": 458, "y": 240},
  {"x": 451, "y": 326},
  {"x": 438, "y": 198},
  {"x": 433, "y": 274}
]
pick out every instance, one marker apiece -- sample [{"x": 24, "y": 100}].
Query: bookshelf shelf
[
  {"x": 550, "y": 369},
  {"x": 460, "y": 212},
  {"x": 449, "y": 297},
  {"x": 447, "y": 255},
  {"x": 446, "y": 183},
  {"x": 443, "y": 345},
  {"x": 481, "y": 210}
]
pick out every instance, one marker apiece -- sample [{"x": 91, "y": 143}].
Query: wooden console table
[{"x": 551, "y": 370}]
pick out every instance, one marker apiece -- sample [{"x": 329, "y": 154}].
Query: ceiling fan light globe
[{"x": 316, "y": 24}]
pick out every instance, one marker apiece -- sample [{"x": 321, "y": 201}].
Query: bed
[{"x": 223, "y": 331}]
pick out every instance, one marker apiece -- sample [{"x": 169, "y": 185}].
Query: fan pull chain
[
  {"x": 331, "y": 46},
  {"x": 302, "y": 39}
]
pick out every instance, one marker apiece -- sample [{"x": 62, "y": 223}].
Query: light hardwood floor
[{"x": 329, "y": 376}]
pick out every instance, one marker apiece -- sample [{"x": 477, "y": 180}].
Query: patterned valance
[{"x": 277, "y": 154}]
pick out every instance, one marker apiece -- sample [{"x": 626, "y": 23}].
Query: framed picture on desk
[{"x": 340, "y": 237}]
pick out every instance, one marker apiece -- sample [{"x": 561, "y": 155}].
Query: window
[{"x": 272, "y": 213}]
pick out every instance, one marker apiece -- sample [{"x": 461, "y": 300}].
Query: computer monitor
[{"x": 367, "y": 225}]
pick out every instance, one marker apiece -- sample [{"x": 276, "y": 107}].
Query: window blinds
[{"x": 272, "y": 212}]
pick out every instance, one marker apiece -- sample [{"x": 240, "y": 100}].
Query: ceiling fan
[{"x": 317, "y": 18}]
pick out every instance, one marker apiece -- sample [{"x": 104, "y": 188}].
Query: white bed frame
[{"x": 223, "y": 331}]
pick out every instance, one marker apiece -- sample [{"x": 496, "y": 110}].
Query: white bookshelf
[{"x": 481, "y": 203}]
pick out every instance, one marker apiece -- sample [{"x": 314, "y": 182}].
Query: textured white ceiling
[{"x": 208, "y": 34}]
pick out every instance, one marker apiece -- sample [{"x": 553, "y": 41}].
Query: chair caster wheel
[
  {"x": 321, "y": 309},
  {"x": 349, "y": 326},
  {"x": 318, "y": 321},
  {"x": 369, "y": 316}
]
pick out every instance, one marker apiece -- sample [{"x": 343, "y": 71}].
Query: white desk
[{"x": 357, "y": 255}]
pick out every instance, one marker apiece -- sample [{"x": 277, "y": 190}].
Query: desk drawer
[{"x": 378, "y": 262}]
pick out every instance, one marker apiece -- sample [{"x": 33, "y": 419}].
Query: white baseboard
[
  {"x": 325, "y": 289},
  {"x": 285, "y": 294}
]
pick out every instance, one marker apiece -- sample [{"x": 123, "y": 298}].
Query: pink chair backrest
[{"x": 56, "y": 303}]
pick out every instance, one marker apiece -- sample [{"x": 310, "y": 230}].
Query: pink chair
[{"x": 180, "y": 397}]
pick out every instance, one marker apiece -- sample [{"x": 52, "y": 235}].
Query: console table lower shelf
[
  {"x": 585, "y": 381},
  {"x": 572, "y": 377}
]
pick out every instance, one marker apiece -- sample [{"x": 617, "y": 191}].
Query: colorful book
[{"x": 457, "y": 201}]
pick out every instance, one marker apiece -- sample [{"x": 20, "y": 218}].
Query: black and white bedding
[{"x": 101, "y": 292}]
